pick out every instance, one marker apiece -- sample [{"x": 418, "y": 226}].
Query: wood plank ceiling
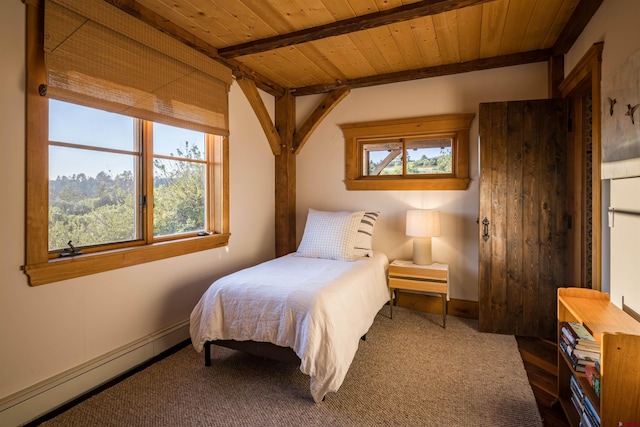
[{"x": 315, "y": 46}]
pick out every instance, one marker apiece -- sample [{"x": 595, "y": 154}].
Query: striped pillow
[
  {"x": 330, "y": 235},
  {"x": 364, "y": 237}
]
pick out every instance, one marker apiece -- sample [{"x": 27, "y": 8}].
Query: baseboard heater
[{"x": 33, "y": 402}]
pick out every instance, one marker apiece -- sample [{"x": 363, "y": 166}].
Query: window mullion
[
  {"x": 147, "y": 178},
  {"x": 404, "y": 156}
]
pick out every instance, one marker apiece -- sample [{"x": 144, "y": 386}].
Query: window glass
[
  {"x": 75, "y": 124},
  {"x": 179, "y": 203},
  {"x": 92, "y": 180},
  {"x": 178, "y": 142},
  {"x": 428, "y": 156},
  {"x": 179, "y": 180},
  {"x": 382, "y": 158}
]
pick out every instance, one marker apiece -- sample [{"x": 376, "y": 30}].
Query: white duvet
[{"x": 320, "y": 308}]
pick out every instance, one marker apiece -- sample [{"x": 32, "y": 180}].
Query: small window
[
  {"x": 428, "y": 153},
  {"x": 420, "y": 156}
]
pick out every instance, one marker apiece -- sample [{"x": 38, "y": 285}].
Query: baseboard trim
[{"x": 28, "y": 404}]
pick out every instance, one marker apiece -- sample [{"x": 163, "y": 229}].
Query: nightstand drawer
[
  {"x": 429, "y": 272},
  {"x": 418, "y": 285}
]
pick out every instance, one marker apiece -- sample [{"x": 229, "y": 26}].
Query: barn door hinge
[{"x": 143, "y": 200}]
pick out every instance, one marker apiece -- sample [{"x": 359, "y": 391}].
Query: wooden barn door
[{"x": 522, "y": 215}]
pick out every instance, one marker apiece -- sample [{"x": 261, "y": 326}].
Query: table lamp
[{"x": 422, "y": 225}]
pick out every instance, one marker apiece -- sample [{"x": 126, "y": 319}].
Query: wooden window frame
[
  {"x": 456, "y": 125},
  {"x": 39, "y": 266}
]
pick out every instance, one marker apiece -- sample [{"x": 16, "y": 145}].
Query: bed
[{"x": 312, "y": 306}]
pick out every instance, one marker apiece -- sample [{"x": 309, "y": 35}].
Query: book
[
  {"x": 586, "y": 355},
  {"x": 580, "y": 334},
  {"x": 591, "y": 411}
]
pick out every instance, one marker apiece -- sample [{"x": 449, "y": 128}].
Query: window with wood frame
[
  {"x": 127, "y": 162},
  {"x": 424, "y": 153}
]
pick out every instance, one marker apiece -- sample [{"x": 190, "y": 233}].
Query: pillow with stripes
[{"x": 364, "y": 238}]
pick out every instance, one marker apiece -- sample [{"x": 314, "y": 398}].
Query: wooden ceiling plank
[
  {"x": 303, "y": 68},
  {"x": 272, "y": 17},
  {"x": 446, "y": 27},
  {"x": 425, "y": 34},
  {"x": 251, "y": 92},
  {"x": 563, "y": 15},
  {"x": 372, "y": 20},
  {"x": 329, "y": 102},
  {"x": 382, "y": 38},
  {"x": 578, "y": 21},
  {"x": 517, "y": 21},
  {"x": 317, "y": 12},
  {"x": 363, "y": 7},
  {"x": 339, "y": 9},
  {"x": 254, "y": 26},
  {"x": 345, "y": 56},
  {"x": 315, "y": 55},
  {"x": 543, "y": 15},
  {"x": 440, "y": 70},
  {"x": 365, "y": 44},
  {"x": 469, "y": 29},
  {"x": 494, "y": 16},
  {"x": 403, "y": 35},
  {"x": 185, "y": 15}
]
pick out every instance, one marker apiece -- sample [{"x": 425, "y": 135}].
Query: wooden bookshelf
[{"x": 619, "y": 337}]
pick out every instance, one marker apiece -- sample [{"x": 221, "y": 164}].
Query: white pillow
[
  {"x": 364, "y": 237},
  {"x": 330, "y": 235}
]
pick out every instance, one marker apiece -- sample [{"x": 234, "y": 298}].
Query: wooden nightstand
[{"x": 433, "y": 278}]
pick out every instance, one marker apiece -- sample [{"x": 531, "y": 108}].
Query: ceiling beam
[
  {"x": 580, "y": 17},
  {"x": 160, "y": 23},
  {"x": 329, "y": 102},
  {"x": 423, "y": 73},
  {"x": 358, "y": 23},
  {"x": 250, "y": 90}
]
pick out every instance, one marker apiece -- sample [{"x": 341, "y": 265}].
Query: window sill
[
  {"x": 59, "y": 269},
  {"x": 408, "y": 184}
]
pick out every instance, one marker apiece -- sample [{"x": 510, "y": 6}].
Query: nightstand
[{"x": 433, "y": 278}]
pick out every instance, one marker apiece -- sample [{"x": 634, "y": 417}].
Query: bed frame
[{"x": 260, "y": 349}]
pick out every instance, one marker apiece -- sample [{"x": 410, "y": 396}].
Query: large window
[
  {"x": 425, "y": 153},
  {"x": 107, "y": 190}
]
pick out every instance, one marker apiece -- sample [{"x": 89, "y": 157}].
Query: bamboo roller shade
[{"x": 98, "y": 56}]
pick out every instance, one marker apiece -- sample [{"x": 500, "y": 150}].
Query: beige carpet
[{"x": 409, "y": 372}]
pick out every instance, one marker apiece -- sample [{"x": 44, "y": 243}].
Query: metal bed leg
[{"x": 207, "y": 353}]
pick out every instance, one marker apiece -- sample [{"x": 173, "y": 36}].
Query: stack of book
[
  {"x": 579, "y": 345},
  {"x": 588, "y": 415}
]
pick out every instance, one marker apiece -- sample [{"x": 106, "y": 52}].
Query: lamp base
[{"x": 422, "y": 251}]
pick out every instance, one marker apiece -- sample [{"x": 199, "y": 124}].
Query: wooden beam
[
  {"x": 580, "y": 17},
  {"x": 556, "y": 75},
  {"x": 157, "y": 21},
  {"x": 358, "y": 23},
  {"x": 285, "y": 177},
  {"x": 251, "y": 92},
  {"x": 329, "y": 102},
  {"x": 422, "y": 73}
]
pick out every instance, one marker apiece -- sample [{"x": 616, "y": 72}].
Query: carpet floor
[{"x": 409, "y": 372}]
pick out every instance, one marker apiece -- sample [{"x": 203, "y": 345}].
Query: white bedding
[{"x": 318, "y": 307}]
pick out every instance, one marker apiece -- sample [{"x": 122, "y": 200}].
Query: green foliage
[
  {"x": 179, "y": 193},
  {"x": 90, "y": 211},
  {"x": 102, "y": 209}
]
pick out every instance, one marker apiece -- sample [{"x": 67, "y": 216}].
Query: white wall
[
  {"x": 320, "y": 165},
  {"x": 49, "y": 329},
  {"x": 616, "y": 24}
]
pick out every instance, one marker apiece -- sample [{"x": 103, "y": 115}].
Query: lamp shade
[{"x": 423, "y": 223}]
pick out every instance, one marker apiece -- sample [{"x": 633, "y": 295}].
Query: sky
[{"x": 81, "y": 125}]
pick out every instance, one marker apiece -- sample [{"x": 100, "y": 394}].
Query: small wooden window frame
[{"x": 457, "y": 125}]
